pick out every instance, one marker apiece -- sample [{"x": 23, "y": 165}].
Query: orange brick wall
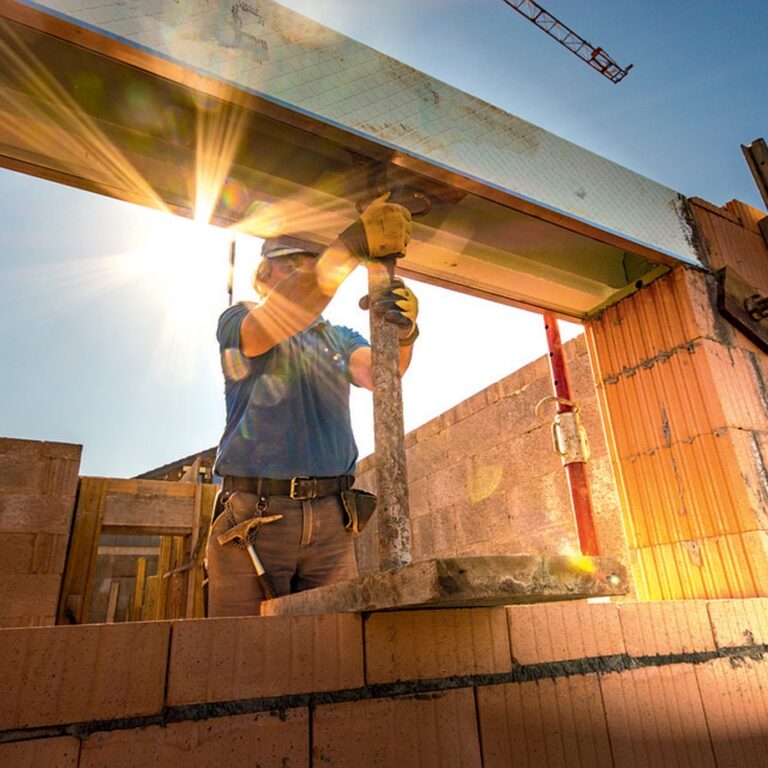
[
  {"x": 675, "y": 683},
  {"x": 483, "y": 478},
  {"x": 38, "y": 482},
  {"x": 685, "y": 398}
]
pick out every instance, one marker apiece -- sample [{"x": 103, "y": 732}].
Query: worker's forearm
[{"x": 295, "y": 302}]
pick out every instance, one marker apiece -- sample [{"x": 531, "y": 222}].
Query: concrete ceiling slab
[{"x": 254, "y": 117}]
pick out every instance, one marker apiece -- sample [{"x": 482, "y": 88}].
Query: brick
[
  {"x": 739, "y": 388},
  {"x": 751, "y": 449},
  {"x": 426, "y": 456},
  {"x": 734, "y": 245},
  {"x": 551, "y": 723},
  {"x": 26, "y": 553},
  {"x": 666, "y": 627},
  {"x": 735, "y": 696},
  {"x": 437, "y": 730},
  {"x": 606, "y": 507},
  {"x": 694, "y": 489},
  {"x": 260, "y": 739},
  {"x": 91, "y": 672},
  {"x": 448, "y": 486},
  {"x": 17, "y": 553},
  {"x": 560, "y": 631},
  {"x": 62, "y": 752},
  {"x": 250, "y": 657},
  {"x": 486, "y": 520},
  {"x": 40, "y": 620},
  {"x": 29, "y": 466},
  {"x": 422, "y": 540},
  {"x": 712, "y": 484},
  {"x": 28, "y": 595},
  {"x": 667, "y": 314},
  {"x": 444, "y": 531},
  {"x": 34, "y": 449},
  {"x": 540, "y": 515},
  {"x": 418, "y": 645},
  {"x": 25, "y": 513},
  {"x": 418, "y": 498},
  {"x": 737, "y": 623},
  {"x": 22, "y": 475},
  {"x": 656, "y": 718},
  {"x": 472, "y": 434},
  {"x": 717, "y": 567}
]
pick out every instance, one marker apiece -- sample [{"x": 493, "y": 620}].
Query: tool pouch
[{"x": 359, "y": 507}]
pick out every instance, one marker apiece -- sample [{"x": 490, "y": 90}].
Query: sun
[{"x": 185, "y": 263}]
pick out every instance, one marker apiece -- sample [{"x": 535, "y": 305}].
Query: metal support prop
[
  {"x": 576, "y": 471},
  {"x": 394, "y": 523}
]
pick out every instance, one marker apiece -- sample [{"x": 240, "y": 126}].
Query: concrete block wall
[
  {"x": 38, "y": 483},
  {"x": 669, "y": 684},
  {"x": 483, "y": 477}
]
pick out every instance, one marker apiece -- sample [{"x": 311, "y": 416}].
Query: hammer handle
[{"x": 264, "y": 581}]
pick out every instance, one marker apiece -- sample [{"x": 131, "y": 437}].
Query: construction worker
[{"x": 288, "y": 447}]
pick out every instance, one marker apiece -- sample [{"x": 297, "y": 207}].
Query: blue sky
[{"x": 108, "y": 338}]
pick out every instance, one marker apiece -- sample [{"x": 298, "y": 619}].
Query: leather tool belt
[{"x": 297, "y": 488}]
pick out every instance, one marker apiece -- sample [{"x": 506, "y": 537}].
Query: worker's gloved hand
[
  {"x": 399, "y": 305},
  {"x": 383, "y": 229}
]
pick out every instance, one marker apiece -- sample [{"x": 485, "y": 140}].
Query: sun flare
[{"x": 185, "y": 261}]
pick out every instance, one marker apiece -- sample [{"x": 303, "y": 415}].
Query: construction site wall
[
  {"x": 38, "y": 483},
  {"x": 483, "y": 477},
  {"x": 685, "y": 400},
  {"x": 669, "y": 684}
]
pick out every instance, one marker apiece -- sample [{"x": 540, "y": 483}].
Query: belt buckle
[{"x": 295, "y": 494}]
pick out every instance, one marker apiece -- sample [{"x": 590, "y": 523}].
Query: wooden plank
[
  {"x": 194, "y": 545},
  {"x": 146, "y": 514},
  {"x": 114, "y": 591},
  {"x": 163, "y": 568},
  {"x": 196, "y": 609},
  {"x": 150, "y": 488},
  {"x": 137, "y": 602},
  {"x": 462, "y": 582},
  {"x": 149, "y": 609},
  {"x": 81, "y": 557},
  {"x": 129, "y": 551},
  {"x": 177, "y": 588}
]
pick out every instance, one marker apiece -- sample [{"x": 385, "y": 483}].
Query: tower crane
[{"x": 597, "y": 58}]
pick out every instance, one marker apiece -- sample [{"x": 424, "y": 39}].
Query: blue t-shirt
[{"x": 288, "y": 409}]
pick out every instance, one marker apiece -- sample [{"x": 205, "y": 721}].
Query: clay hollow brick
[
  {"x": 251, "y": 657},
  {"x": 58, "y": 675},
  {"x": 418, "y": 645}
]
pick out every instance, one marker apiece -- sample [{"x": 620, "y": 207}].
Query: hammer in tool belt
[{"x": 241, "y": 532}]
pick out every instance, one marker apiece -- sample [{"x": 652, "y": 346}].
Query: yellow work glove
[
  {"x": 399, "y": 305},
  {"x": 383, "y": 229}
]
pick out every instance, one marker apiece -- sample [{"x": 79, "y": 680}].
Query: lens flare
[
  {"x": 483, "y": 481},
  {"x": 51, "y": 123}
]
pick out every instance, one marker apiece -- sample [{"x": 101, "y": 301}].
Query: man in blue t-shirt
[{"x": 288, "y": 447}]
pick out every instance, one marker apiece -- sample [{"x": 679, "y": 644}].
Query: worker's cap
[{"x": 287, "y": 245}]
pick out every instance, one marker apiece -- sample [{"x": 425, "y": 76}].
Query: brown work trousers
[{"x": 308, "y": 548}]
